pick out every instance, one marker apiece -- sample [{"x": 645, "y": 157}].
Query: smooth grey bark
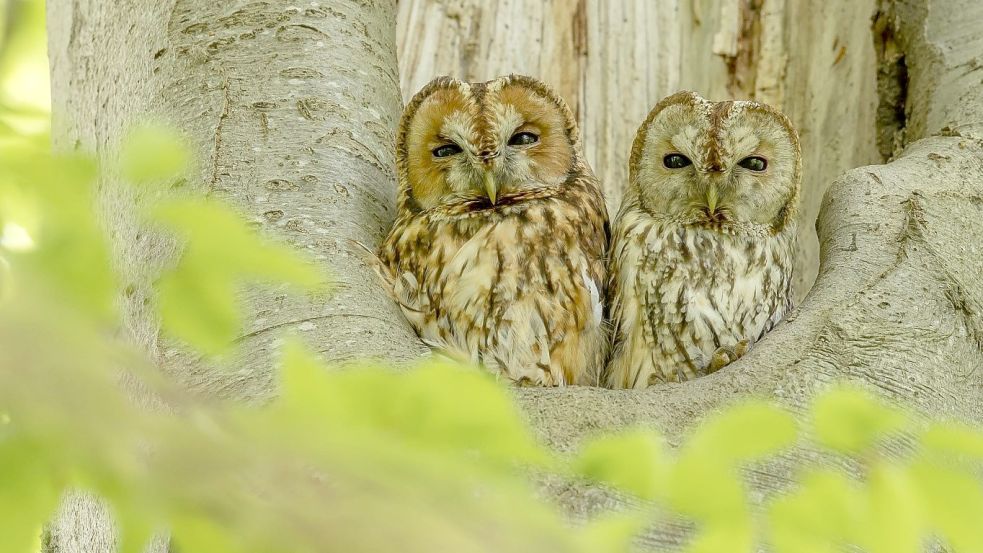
[
  {"x": 292, "y": 112},
  {"x": 291, "y": 109},
  {"x": 898, "y": 304}
]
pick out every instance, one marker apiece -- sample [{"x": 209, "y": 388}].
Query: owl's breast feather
[
  {"x": 683, "y": 291},
  {"x": 517, "y": 289}
]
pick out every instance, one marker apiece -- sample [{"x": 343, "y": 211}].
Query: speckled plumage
[
  {"x": 513, "y": 282},
  {"x": 702, "y": 255}
]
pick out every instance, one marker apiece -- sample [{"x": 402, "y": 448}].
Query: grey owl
[{"x": 703, "y": 246}]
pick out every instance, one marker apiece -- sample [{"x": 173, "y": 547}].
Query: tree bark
[
  {"x": 613, "y": 61},
  {"x": 898, "y": 304},
  {"x": 292, "y": 112}
]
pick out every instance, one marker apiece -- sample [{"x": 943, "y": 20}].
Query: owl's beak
[
  {"x": 489, "y": 161},
  {"x": 491, "y": 188},
  {"x": 712, "y": 198},
  {"x": 488, "y": 158}
]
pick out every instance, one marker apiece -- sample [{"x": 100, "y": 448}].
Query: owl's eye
[
  {"x": 523, "y": 139},
  {"x": 754, "y": 163},
  {"x": 446, "y": 150},
  {"x": 676, "y": 161}
]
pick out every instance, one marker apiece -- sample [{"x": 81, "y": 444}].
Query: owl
[
  {"x": 702, "y": 248},
  {"x": 497, "y": 253}
]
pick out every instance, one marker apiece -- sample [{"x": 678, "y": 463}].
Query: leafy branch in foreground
[
  {"x": 367, "y": 459},
  {"x": 356, "y": 461},
  {"x": 933, "y": 491}
]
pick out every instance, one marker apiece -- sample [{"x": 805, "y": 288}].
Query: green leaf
[
  {"x": 153, "y": 153},
  {"x": 708, "y": 489},
  {"x": 850, "y": 420},
  {"x": 198, "y": 302},
  {"x": 134, "y": 532},
  {"x": 744, "y": 432},
  {"x": 463, "y": 408},
  {"x": 614, "y": 532},
  {"x": 632, "y": 461},
  {"x": 221, "y": 241},
  {"x": 953, "y": 504},
  {"x": 954, "y": 440},
  {"x": 198, "y": 534},
  {"x": 24, "y": 87},
  {"x": 28, "y": 496},
  {"x": 135, "y": 512},
  {"x": 302, "y": 380},
  {"x": 704, "y": 482},
  {"x": 199, "y": 307},
  {"x": 825, "y": 511},
  {"x": 438, "y": 406},
  {"x": 49, "y": 200},
  {"x": 894, "y": 520},
  {"x": 733, "y": 537}
]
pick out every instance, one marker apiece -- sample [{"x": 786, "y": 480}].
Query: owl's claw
[{"x": 725, "y": 355}]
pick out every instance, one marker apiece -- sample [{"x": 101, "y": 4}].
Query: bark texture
[
  {"x": 898, "y": 304},
  {"x": 292, "y": 111},
  {"x": 612, "y": 61}
]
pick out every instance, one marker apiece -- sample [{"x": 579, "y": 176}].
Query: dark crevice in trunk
[
  {"x": 892, "y": 83},
  {"x": 742, "y": 67}
]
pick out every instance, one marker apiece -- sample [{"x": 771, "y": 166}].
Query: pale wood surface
[
  {"x": 896, "y": 308},
  {"x": 613, "y": 60}
]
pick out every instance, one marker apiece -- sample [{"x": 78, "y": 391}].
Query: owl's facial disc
[
  {"x": 712, "y": 163},
  {"x": 474, "y": 157},
  {"x": 719, "y": 191},
  {"x": 717, "y": 196},
  {"x": 495, "y": 141},
  {"x": 437, "y": 145},
  {"x": 508, "y": 154}
]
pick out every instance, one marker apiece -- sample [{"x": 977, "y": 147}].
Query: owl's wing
[
  {"x": 621, "y": 257},
  {"x": 403, "y": 282},
  {"x": 594, "y": 287},
  {"x": 624, "y": 306},
  {"x": 412, "y": 299},
  {"x": 372, "y": 259},
  {"x": 403, "y": 288}
]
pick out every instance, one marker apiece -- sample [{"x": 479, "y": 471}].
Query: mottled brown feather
[
  {"x": 692, "y": 288},
  {"x": 514, "y": 285}
]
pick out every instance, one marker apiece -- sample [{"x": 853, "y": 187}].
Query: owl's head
[
  {"x": 483, "y": 144},
  {"x": 718, "y": 164}
]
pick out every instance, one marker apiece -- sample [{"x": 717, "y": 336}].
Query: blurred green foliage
[
  {"x": 24, "y": 92},
  {"x": 436, "y": 459}
]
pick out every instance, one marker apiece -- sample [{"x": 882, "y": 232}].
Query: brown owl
[
  {"x": 497, "y": 253},
  {"x": 702, "y": 249}
]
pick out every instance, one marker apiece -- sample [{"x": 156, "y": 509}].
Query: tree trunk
[
  {"x": 613, "y": 61},
  {"x": 292, "y": 112},
  {"x": 293, "y": 109},
  {"x": 898, "y": 304}
]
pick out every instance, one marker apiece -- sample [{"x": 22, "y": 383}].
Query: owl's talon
[
  {"x": 524, "y": 382},
  {"x": 720, "y": 359},
  {"x": 725, "y": 355}
]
